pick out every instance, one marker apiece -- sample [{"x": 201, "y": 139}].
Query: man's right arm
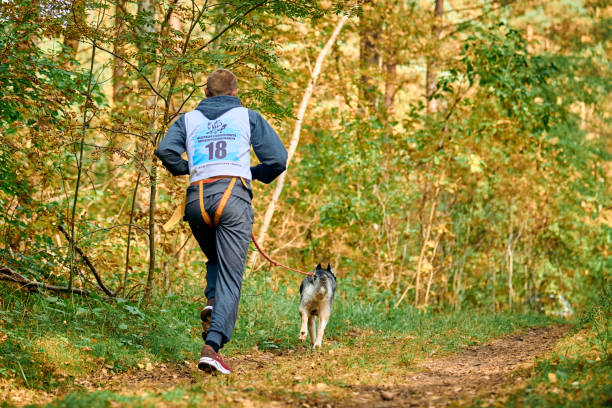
[
  {"x": 268, "y": 148},
  {"x": 172, "y": 146}
]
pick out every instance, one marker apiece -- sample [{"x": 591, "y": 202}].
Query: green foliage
[
  {"x": 500, "y": 158},
  {"x": 37, "y": 89},
  {"x": 120, "y": 335}
]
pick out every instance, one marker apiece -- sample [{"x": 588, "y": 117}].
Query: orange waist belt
[
  {"x": 222, "y": 203},
  {"x": 210, "y": 180}
]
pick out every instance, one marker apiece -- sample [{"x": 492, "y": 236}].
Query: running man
[{"x": 217, "y": 137}]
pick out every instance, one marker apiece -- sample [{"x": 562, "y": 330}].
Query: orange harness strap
[
  {"x": 222, "y": 203},
  {"x": 219, "y": 212}
]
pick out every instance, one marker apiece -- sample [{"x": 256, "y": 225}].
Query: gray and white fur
[{"x": 316, "y": 297}]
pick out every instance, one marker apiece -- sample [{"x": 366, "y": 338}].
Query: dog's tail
[{"x": 323, "y": 285}]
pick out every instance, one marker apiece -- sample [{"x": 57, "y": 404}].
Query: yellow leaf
[{"x": 474, "y": 162}]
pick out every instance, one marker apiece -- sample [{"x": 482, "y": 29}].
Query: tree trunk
[
  {"x": 118, "y": 65},
  {"x": 431, "y": 272},
  {"x": 431, "y": 72},
  {"x": 510, "y": 258},
  {"x": 369, "y": 33},
  {"x": 146, "y": 11},
  {"x": 493, "y": 286},
  {"x": 79, "y": 163},
  {"x": 129, "y": 238},
  {"x": 295, "y": 137},
  {"x": 73, "y": 33},
  {"x": 146, "y": 8},
  {"x": 151, "y": 273},
  {"x": 510, "y": 265},
  {"x": 390, "y": 83}
]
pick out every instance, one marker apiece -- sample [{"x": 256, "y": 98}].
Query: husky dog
[{"x": 316, "y": 297}]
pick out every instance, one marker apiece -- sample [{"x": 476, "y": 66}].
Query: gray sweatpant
[{"x": 226, "y": 248}]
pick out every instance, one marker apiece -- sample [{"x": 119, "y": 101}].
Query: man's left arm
[
  {"x": 172, "y": 146},
  {"x": 268, "y": 148}
]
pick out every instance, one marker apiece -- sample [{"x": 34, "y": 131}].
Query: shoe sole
[{"x": 207, "y": 363}]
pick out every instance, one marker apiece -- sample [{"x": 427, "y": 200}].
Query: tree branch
[
  {"x": 88, "y": 263},
  {"x": 9, "y": 275},
  {"x": 135, "y": 68},
  {"x": 258, "y": 5}
]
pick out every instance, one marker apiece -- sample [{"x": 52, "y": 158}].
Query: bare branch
[
  {"x": 7, "y": 274},
  {"x": 135, "y": 68},
  {"x": 88, "y": 263},
  {"x": 232, "y": 24}
]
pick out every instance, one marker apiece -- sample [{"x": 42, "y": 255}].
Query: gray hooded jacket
[{"x": 266, "y": 144}]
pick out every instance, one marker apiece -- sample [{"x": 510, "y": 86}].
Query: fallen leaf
[
  {"x": 386, "y": 395},
  {"x": 321, "y": 386}
]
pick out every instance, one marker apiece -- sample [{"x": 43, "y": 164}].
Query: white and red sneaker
[{"x": 211, "y": 361}]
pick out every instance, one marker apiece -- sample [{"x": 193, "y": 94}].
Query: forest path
[
  {"x": 336, "y": 377},
  {"x": 483, "y": 372}
]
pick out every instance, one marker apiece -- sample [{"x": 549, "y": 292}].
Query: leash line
[
  {"x": 276, "y": 263},
  {"x": 217, "y": 217}
]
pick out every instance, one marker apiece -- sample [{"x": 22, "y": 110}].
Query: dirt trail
[
  {"x": 483, "y": 371},
  {"x": 333, "y": 379}
]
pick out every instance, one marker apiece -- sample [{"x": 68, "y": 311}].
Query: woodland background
[{"x": 453, "y": 153}]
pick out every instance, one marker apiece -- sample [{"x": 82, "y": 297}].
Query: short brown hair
[{"x": 221, "y": 82}]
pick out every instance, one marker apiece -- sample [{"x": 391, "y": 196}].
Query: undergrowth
[{"x": 49, "y": 340}]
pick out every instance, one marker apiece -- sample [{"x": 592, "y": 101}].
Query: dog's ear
[
  {"x": 319, "y": 266},
  {"x": 328, "y": 268}
]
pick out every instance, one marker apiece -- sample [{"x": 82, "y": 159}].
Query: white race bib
[{"x": 218, "y": 147}]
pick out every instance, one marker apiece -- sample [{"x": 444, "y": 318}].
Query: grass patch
[
  {"x": 48, "y": 340},
  {"x": 56, "y": 339},
  {"x": 269, "y": 320},
  {"x": 98, "y": 399}
]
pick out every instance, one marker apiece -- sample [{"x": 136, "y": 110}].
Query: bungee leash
[
  {"x": 276, "y": 263},
  {"x": 219, "y": 211}
]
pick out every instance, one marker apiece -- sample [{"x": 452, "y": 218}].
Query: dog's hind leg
[
  {"x": 323, "y": 318},
  {"x": 304, "y": 315},
  {"x": 312, "y": 328}
]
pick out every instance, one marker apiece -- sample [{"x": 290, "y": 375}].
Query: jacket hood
[{"x": 216, "y": 106}]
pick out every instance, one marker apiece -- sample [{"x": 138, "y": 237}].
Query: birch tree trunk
[{"x": 295, "y": 137}]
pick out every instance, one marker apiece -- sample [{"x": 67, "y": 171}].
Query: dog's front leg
[
  {"x": 304, "y": 315},
  {"x": 323, "y": 318}
]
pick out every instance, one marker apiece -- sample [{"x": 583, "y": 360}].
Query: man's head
[{"x": 221, "y": 82}]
